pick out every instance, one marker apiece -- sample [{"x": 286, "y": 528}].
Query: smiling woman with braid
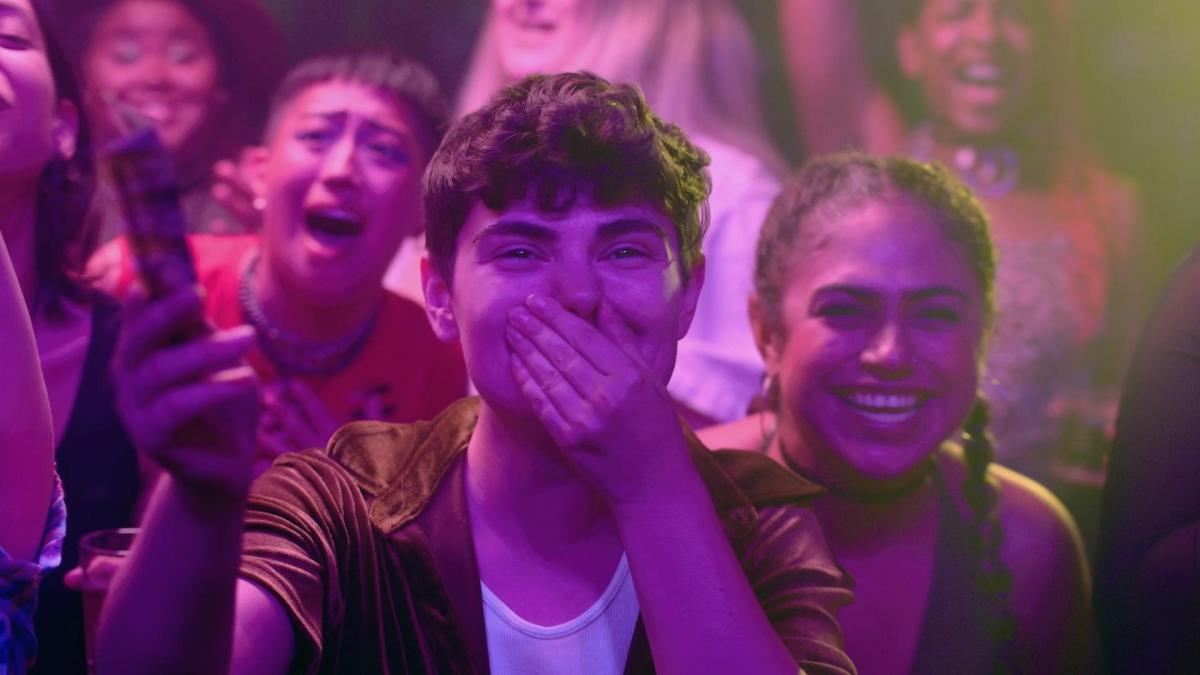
[{"x": 874, "y": 287}]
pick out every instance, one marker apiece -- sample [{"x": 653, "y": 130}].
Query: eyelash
[
  {"x": 15, "y": 41},
  {"x": 836, "y": 310}
]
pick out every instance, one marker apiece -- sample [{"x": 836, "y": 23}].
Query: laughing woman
[
  {"x": 198, "y": 70},
  {"x": 873, "y": 298},
  {"x": 346, "y": 144},
  {"x": 993, "y": 100}
]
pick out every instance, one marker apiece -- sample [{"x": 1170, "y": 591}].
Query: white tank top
[{"x": 594, "y": 643}]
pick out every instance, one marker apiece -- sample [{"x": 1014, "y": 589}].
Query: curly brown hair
[{"x": 554, "y": 137}]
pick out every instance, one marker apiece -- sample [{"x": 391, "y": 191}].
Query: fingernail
[
  {"x": 537, "y": 302},
  {"x": 519, "y": 316}
]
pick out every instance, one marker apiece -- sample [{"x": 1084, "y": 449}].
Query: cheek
[
  {"x": 103, "y": 75},
  {"x": 198, "y": 79},
  {"x": 287, "y": 178}
]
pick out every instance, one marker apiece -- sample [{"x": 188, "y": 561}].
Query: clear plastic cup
[{"x": 101, "y": 554}]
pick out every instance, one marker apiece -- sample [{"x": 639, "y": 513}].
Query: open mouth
[
  {"x": 984, "y": 74},
  {"x": 885, "y": 408},
  {"x": 333, "y": 226}
]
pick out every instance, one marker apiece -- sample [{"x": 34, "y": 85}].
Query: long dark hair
[{"x": 64, "y": 192}]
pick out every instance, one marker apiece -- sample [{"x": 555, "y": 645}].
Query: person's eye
[
  {"x": 126, "y": 52},
  {"x": 516, "y": 256},
  {"x": 182, "y": 52},
  {"x": 392, "y": 153},
  {"x": 628, "y": 253},
  {"x": 14, "y": 34},
  {"x": 841, "y": 309},
  {"x": 15, "y": 41},
  {"x": 315, "y": 137},
  {"x": 940, "y": 316}
]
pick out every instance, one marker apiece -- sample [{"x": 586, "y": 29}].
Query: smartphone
[{"x": 148, "y": 190}]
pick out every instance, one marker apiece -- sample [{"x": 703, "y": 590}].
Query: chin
[
  {"x": 884, "y": 463},
  {"x": 983, "y": 125}
]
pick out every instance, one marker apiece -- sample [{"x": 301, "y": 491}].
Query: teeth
[
  {"x": 984, "y": 73},
  {"x": 888, "y": 418},
  {"x": 902, "y": 403}
]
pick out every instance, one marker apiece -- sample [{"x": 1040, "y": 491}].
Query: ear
[
  {"x": 437, "y": 301},
  {"x": 691, "y": 296},
  {"x": 253, "y": 162},
  {"x": 65, "y": 129},
  {"x": 764, "y": 336},
  {"x": 908, "y": 51}
]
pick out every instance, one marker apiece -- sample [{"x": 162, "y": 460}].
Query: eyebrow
[
  {"x": 616, "y": 228},
  {"x": 8, "y": 8},
  {"x": 539, "y": 232},
  {"x": 517, "y": 228},
  {"x": 370, "y": 124},
  {"x": 936, "y": 291},
  {"x": 918, "y": 295}
]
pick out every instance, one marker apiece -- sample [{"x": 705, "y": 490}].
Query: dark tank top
[
  {"x": 99, "y": 470},
  {"x": 956, "y": 631}
]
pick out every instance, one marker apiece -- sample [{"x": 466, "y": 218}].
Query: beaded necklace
[{"x": 292, "y": 354}]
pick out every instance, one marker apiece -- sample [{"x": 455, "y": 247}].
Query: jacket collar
[{"x": 414, "y": 473}]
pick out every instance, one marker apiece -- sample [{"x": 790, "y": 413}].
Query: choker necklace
[
  {"x": 989, "y": 172},
  {"x": 290, "y": 353},
  {"x": 891, "y": 494}
]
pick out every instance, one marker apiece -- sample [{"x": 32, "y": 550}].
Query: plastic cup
[{"x": 101, "y": 554}]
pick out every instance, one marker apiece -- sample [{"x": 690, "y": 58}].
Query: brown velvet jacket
[{"x": 368, "y": 547}]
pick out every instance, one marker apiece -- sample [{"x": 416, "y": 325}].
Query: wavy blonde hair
[{"x": 694, "y": 60}]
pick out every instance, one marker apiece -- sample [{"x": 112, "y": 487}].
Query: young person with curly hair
[
  {"x": 696, "y": 64},
  {"x": 565, "y": 521},
  {"x": 873, "y": 300}
]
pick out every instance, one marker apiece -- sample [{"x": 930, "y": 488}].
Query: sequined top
[
  {"x": 18, "y": 590},
  {"x": 1032, "y": 357}
]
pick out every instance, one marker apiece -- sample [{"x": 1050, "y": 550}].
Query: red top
[{"x": 403, "y": 373}]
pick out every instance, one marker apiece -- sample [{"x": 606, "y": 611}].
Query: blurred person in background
[
  {"x": 995, "y": 103},
  {"x": 200, "y": 71},
  {"x": 339, "y": 181},
  {"x": 46, "y": 182},
  {"x": 696, "y": 64},
  {"x": 873, "y": 300}
]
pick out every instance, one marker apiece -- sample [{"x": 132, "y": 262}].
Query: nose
[
  {"x": 888, "y": 355},
  {"x": 578, "y": 290},
  {"x": 985, "y": 22},
  {"x": 339, "y": 167},
  {"x": 154, "y": 70}
]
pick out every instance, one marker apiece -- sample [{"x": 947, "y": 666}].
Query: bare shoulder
[
  {"x": 1040, "y": 543},
  {"x": 748, "y": 433},
  {"x": 1049, "y": 597},
  {"x": 1040, "y": 536}
]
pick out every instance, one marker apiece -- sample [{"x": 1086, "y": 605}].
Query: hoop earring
[{"x": 767, "y": 405}]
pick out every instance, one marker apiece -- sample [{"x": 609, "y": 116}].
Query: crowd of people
[{"x": 573, "y": 372}]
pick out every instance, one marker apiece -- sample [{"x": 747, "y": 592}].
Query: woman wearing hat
[{"x": 199, "y": 71}]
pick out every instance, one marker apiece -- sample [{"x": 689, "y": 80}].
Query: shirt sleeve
[
  {"x": 799, "y": 587},
  {"x": 18, "y": 588},
  {"x": 305, "y": 528}
]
